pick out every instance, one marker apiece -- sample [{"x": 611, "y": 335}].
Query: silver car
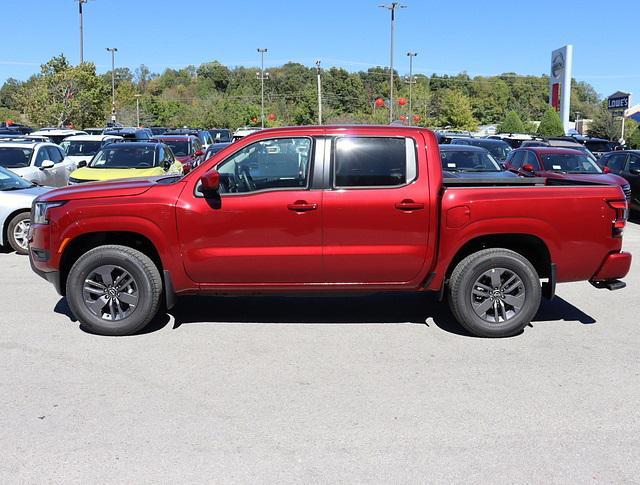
[{"x": 16, "y": 196}]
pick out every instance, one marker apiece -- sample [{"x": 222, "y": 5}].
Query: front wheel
[
  {"x": 114, "y": 290},
  {"x": 494, "y": 293},
  {"x": 18, "y": 231}
]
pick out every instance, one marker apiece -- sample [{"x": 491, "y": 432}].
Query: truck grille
[{"x": 627, "y": 192}]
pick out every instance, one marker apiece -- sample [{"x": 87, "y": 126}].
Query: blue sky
[{"x": 488, "y": 37}]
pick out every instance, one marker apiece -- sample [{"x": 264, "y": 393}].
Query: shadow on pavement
[{"x": 414, "y": 308}]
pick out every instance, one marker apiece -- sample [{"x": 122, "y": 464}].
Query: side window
[
  {"x": 281, "y": 163},
  {"x": 41, "y": 156},
  {"x": 196, "y": 145},
  {"x": 532, "y": 160},
  {"x": 161, "y": 155},
  {"x": 517, "y": 160},
  {"x": 54, "y": 154},
  {"x": 634, "y": 163},
  {"x": 616, "y": 161},
  {"x": 373, "y": 161}
]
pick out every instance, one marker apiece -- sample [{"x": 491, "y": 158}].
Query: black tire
[
  {"x": 21, "y": 218},
  {"x": 466, "y": 298},
  {"x": 146, "y": 288}
]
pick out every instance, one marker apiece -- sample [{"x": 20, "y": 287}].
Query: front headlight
[{"x": 40, "y": 211}]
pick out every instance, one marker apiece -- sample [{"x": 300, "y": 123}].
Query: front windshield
[
  {"x": 497, "y": 150},
  {"x": 124, "y": 157},
  {"x": 10, "y": 181},
  {"x": 77, "y": 148},
  {"x": 179, "y": 148},
  {"x": 468, "y": 161},
  {"x": 15, "y": 157},
  {"x": 570, "y": 163}
]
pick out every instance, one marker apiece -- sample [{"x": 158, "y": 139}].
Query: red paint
[
  {"x": 555, "y": 96},
  {"x": 335, "y": 239}
]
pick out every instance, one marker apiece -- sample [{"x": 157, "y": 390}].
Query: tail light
[{"x": 622, "y": 214}]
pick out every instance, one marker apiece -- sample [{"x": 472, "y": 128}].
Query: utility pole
[
  {"x": 138, "y": 109},
  {"x": 113, "y": 51},
  {"x": 392, "y": 6},
  {"x": 261, "y": 76},
  {"x": 577, "y": 119},
  {"x": 411, "y": 82},
  {"x": 80, "y": 2},
  {"x": 319, "y": 93}
]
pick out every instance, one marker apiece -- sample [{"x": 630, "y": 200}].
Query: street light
[
  {"x": 138, "y": 109},
  {"x": 261, "y": 76},
  {"x": 411, "y": 82},
  {"x": 80, "y": 2},
  {"x": 319, "y": 93},
  {"x": 392, "y": 6},
  {"x": 113, "y": 51}
]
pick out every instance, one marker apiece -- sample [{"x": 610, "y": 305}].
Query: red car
[
  {"x": 562, "y": 164},
  {"x": 326, "y": 209},
  {"x": 186, "y": 148}
]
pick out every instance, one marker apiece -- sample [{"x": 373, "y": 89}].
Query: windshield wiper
[{"x": 13, "y": 188}]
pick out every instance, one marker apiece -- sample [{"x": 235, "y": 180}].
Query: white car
[
  {"x": 83, "y": 147},
  {"x": 242, "y": 132},
  {"x": 43, "y": 163},
  {"x": 56, "y": 135}
]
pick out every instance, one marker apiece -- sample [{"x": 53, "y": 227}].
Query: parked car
[
  {"x": 242, "y": 132},
  {"x": 277, "y": 214},
  {"x": 44, "y": 163},
  {"x": 499, "y": 149},
  {"x": 187, "y": 149},
  {"x": 562, "y": 142},
  {"x": 203, "y": 135},
  {"x": 562, "y": 164},
  {"x": 84, "y": 147},
  {"x": 16, "y": 197},
  {"x": 597, "y": 146},
  {"x": 220, "y": 135},
  {"x": 56, "y": 135},
  {"x": 129, "y": 133},
  {"x": 626, "y": 164},
  {"x": 470, "y": 161},
  {"x": 513, "y": 139},
  {"x": 128, "y": 160},
  {"x": 215, "y": 148},
  {"x": 14, "y": 129},
  {"x": 158, "y": 130},
  {"x": 94, "y": 131}
]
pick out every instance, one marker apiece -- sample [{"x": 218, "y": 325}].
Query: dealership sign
[
  {"x": 618, "y": 101},
  {"x": 560, "y": 82}
]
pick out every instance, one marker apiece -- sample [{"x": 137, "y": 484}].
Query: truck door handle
[
  {"x": 409, "y": 205},
  {"x": 302, "y": 206}
]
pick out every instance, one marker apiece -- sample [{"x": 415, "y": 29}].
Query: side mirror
[
  {"x": 527, "y": 167},
  {"x": 82, "y": 163},
  {"x": 198, "y": 153},
  {"x": 166, "y": 165},
  {"x": 634, "y": 171},
  {"x": 210, "y": 181},
  {"x": 606, "y": 169},
  {"x": 47, "y": 164}
]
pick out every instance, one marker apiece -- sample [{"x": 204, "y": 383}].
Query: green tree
[
  {"x": 603, "y": 124},
  {"x": 512, "y": 123},
  {"x": 453, "y": 110},
  {"x": 551, "y": 124}
]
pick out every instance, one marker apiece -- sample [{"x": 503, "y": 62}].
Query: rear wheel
[
  {"x": 494, "y": 293},
  {"x": 114, "y": 290},
  {"x": 17, "y": 233}
]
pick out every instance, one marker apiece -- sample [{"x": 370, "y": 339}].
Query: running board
[{"x": 610, "y": 285}]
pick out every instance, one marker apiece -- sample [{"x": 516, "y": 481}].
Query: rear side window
[
  {"x": 374, "y": 161},
  {"x": 532, "y": 160},
  {"x": 517, "y": 159},
  {"x": 54, "y": 154},
  {"x": 616, "y": 161}
]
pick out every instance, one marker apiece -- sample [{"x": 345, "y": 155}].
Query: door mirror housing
[
  {"x": 198, "y": 153},
  {"x": 606, "y": 169},
  {"x": 634, "y": 171},
  {"x": 47, "y": 164},
  {"x": 82, "y": 163},
  {"x": 166, "y": 165},
  {"x": 527, "y": 167},
  {"x": 210, "y": 182}
]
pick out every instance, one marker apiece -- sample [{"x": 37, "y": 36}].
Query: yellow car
[{"x": 127, "y": 160}]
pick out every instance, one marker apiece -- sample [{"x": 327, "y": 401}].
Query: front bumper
[{"x": 52, "y": 277}]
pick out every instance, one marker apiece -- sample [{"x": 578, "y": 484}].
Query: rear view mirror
[
  {"x": 46, "y": 164},
  {"x": 210, "y": 181},
  {"x": 82, "y": 163}
]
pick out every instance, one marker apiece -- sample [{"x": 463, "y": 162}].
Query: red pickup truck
[{"x": 326, "y": 209}]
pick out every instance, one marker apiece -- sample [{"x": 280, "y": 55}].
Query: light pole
[
  {"x": 113, "y": 51},
  {"x": 577, "y": 119},
  {"x": 319, "y": 93},
  {"x": 411, "y": 83},
  {"x": 261, "y": 75},
  {"x": 392, "y": 6},
  {"x": 138, "y": 109},
  {"x": 80, "y": 2}
]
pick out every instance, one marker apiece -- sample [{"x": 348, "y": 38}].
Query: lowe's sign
[{"x": 618, "y": 101}]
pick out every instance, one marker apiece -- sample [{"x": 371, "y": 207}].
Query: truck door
[
  {"x": 265, "y": 226},
  {"x": 376, "y": 212}
]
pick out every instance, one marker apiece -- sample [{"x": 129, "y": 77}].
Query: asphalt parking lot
[{"x": 369, "y": 389}]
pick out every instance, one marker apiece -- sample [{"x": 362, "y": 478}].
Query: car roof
[
  {"x": 92, "y": 137},
  {"x": 164, "y": 137},
  {"x": 461, "y": 148},
  {"x": 493, "y": 141},
  {"x": 57, "y": 131},
  {"x": 129, "y": 143},
  {"x": 551, "y": 150}
]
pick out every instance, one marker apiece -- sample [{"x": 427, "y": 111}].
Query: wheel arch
[{"x": 4, "y": 236}]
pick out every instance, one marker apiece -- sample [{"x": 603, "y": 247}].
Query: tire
[
  {"x": 114, "y": 290},
  {"x": 483, "y": 298},
  {"x": 17, "y": 232}
]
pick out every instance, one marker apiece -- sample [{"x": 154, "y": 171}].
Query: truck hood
[
  {"x": 600, "y": 178},
  {"x": 93, "y": 190}
]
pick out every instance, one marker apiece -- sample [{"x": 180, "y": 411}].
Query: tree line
[{"x": 214, "y": 95}]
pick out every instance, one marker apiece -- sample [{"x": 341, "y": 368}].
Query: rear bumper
[{"x": 615, "y": 265}]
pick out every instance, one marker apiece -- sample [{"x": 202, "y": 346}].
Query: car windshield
[
  {"x": 499, "y": 151},
  {"x": 600, "y": 146},
  {"x": 179, "y": 148},
  {"x": 570, "y": 163},
  {"x": 11, "y": 181},
  {"x": 15, "y": 157},
  {"x": 468, "y": 161},
  {"x": 220, "y": 135},
  {"x": 124, "y": 157},
  {"x": 77, "y": 148}
]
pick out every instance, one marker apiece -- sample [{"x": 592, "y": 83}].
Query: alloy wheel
[
  {"x": 498, "y": 295},
  {"x": 110, "y": 292}
]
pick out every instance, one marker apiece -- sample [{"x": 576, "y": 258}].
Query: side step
[{"x": 610, "y": 285}]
